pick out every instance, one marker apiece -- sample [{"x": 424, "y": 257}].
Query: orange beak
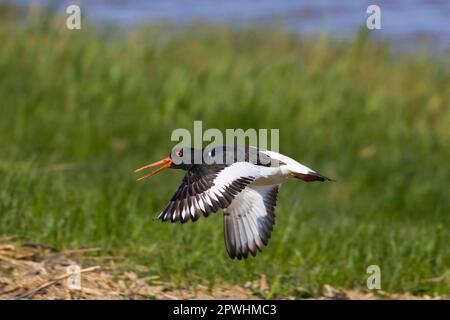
[{"x": 168, "y": 164}]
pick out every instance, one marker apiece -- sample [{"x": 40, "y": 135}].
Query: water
[{"x": 411, "y": 23}]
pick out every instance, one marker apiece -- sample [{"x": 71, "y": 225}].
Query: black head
[{"x": 185, "y": 157}]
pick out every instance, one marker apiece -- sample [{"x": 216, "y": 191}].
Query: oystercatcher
[{"x": 243, "y": 181}]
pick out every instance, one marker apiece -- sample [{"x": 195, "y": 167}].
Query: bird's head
[{"x": 179, "y": 158}]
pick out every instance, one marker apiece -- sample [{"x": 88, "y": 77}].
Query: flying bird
[{"x": 243, "y": 181}]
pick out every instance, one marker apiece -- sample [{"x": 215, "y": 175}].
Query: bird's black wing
[{"x": 207, "y": 188}]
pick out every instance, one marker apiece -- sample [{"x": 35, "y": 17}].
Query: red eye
[{"x": 179, "y": 153}]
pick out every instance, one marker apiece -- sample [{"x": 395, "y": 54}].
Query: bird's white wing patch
[
  {"x": 235, "y": 171},
  {"x": 249, "y": 220}
]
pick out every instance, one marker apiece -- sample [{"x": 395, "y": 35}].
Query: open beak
[{"x": 167, "y": 164}]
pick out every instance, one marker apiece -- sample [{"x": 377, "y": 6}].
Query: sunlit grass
[{"x": 81, "y": 110}]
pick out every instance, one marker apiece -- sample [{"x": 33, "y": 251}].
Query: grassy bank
[{"x": 80, "y": 110}]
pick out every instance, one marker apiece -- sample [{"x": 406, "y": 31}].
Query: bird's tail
[{"x": 311, "y": 176}]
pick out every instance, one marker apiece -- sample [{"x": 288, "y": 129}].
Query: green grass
[{"x": 80, "y": 110}]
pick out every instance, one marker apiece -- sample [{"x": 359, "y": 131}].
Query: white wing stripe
[{"x": 236, "y": 171}]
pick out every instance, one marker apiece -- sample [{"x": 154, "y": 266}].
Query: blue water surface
[{"x": 410, "y": 23}]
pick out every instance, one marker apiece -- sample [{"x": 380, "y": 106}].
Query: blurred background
[{"x": 81, "y": 109}]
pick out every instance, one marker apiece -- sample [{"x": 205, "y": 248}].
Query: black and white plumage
[
  {"x": 249, "y": 220},
  {"x": 243, "y": 181}
]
